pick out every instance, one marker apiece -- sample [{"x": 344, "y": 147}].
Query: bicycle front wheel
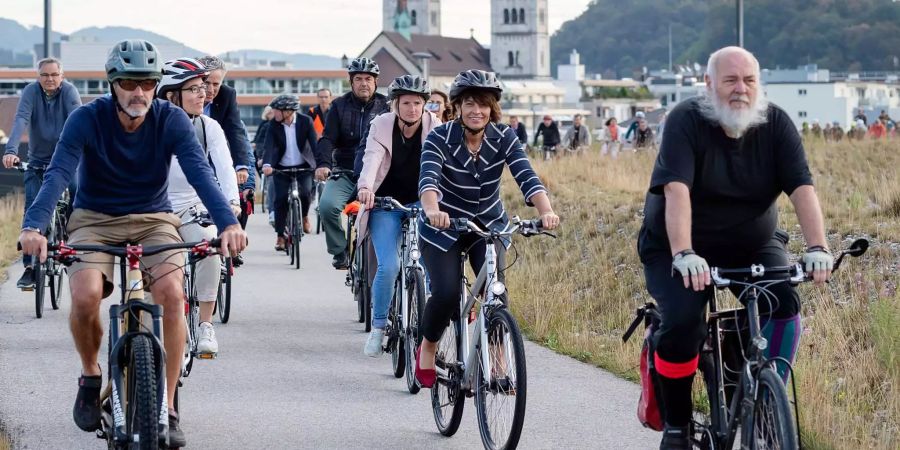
[
  {"x": 143, "y": 415},
  {"x": 40, "y": 274},
  {"x": 395, "y": 339},
  {"x": 501, "y": 382},
  {"x": 223, "y": 300},
  {"x": 416, "y": 299},
  {"x": 773, "y": 422},
  {"x": 296, "y": 233},
  {"x": 447, "y": 398}
]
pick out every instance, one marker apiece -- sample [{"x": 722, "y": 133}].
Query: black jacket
[
  {"x": 260, "y": 139},
  {"x": 224, "y": 109},
  {"x": 345, "y": 126},
  {"x": 522, "y": 133},
  {"x": 551, "y": 134},
  {"x": 276, "y": 144}
]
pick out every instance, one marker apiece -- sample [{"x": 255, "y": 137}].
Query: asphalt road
[{"x": 291, "y": 374}]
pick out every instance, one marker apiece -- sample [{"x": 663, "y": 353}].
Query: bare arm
[
  {"x": 678, "y": 216},
  {"x": 809, "y": 214}
]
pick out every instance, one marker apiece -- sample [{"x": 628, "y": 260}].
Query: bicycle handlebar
[
  {"x": 337, "y": 173},
  {"x": 293, "y": 170},
  {"x": 389, "y": 203},
  {"x": 202, "y": 248},
  {"x": 524, "y": 227}
]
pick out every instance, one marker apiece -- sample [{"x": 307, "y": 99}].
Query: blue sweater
[
  {"x": 126, "y": 173},
  {"x": 43, "y": 118}
]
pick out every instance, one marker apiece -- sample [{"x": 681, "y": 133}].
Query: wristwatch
[{"x": 36, "y": 230}]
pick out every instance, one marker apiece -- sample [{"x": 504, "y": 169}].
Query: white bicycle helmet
[{"x": 177, "y": 72}]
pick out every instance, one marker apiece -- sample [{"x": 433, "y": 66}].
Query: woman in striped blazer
[{"x": 462, "y": 162}]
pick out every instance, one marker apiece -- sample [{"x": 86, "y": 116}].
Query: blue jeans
[
  {"x": 384, "y": 230},
  {"x": 34, "y": 177}
]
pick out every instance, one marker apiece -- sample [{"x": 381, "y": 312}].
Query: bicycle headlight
[
  {"x": 414, "y": 254},
  {"x": 295, "y": 193},
  {"x": 498, "y": 288}
]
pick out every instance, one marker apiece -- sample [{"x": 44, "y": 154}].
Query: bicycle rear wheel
[
  {"x": 142, "y": 415},
  {"x": 223, "y": 300},
  {"x": 773, "y": 422},
  {"x": 416, "y": 300},
  {"x": 39, "y": 283},
  {"x": 395, "y": 338},
  {"x": 447, "y": 398},
  {"x": 500, "y": 402},
  {"x": 356, "y": 283}
]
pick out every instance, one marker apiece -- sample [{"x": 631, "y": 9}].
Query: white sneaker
[
  {"x": 207, "y": 343},
  {"x": 373, "y": 344}
]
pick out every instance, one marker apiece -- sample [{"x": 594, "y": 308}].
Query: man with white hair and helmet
[
  {"x": 638, "y": 117},
  {"x": 725, "y": 159}
]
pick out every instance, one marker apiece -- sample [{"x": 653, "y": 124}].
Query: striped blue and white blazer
[{"x": 470, "y": 189}]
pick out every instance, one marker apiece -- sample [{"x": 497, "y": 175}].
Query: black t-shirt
[
  {"x": 734, "y": 183},
  {"x": 402, "y": 180}
]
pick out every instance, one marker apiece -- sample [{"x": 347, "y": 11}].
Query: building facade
[
  {"x": 520, "y": 39},
  {"x": 412, "y": 16}
]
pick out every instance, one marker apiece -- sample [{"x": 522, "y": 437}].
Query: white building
[
  {"x": 421, "y": 16},
  {"x": 834, "y": 101},
  {"x": 570, "y": 77},
  {"x": 530, "y": 100},
  {"x": 673, "y": 88},
  {"x": 89, "y": 53},
  {"x": 520, "y": 39}
]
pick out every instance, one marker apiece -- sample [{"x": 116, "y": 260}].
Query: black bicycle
[
  {"x": 404, "y": 316},
  {"x": 294, "y": 226},
  {"x": 50, "y": 274},
  {"x": 743, "y": 385},
  {"x": 134, "y": 410}
]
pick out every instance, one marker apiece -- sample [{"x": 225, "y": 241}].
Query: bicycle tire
[
  {"x": 447, "y": 398},
  {"x": 395, "y": 339},
  {"x": 367, "y": 303},
  {"x": 143, "y": 415},
  {"x": 356, "y": 285},
  {"x": 296, "y": 233},
  {"x": 39, "y": 272},
  {"x": 56, "y": 283},
  {"x": 416, "y": 298},
  {"x": 774, "y": 427},
  {"x": 710, "y": 421},
  {"x": 224, "y": 300},
  {"x": 54, "y": 269},
  {"x": 501, "y": 327}
]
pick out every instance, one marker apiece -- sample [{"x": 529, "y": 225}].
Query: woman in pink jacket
[{"x": 391, "y": 169}]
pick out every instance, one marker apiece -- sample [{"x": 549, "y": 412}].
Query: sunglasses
[{"x": 130, "y": 85}]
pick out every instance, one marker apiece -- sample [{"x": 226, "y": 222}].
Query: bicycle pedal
[
  {"x": 207, "y": 355},
  {"x": 28, "y": 289}
]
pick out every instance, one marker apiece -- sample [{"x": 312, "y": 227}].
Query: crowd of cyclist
[{"x": 444, "y": 152}]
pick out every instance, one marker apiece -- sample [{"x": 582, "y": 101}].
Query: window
[
  {"x": 413, "y": 17},
  {"x": 517, "y": 59},
  {"x": 521, "y": 15},
  {"x": 541, "y": 16},
  {"x": 434, "y": 19},
  {"x": 673, "y": 97},
  {"x": 801, "y": 113},
  {"x": 505, "y": 16},
  {"x": 512, "y": 60},
  {"x": 515, "y": 16},
  {"x": 801, "y": 92}
]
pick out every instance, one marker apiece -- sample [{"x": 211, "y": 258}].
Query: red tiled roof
[
  {"x": 449, "y": 55},
  {"x": 389, "y": 66}
]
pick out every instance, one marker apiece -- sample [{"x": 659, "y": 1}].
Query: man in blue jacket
[
  {"x": 43, "y": 109},
  {"x": 221, "y": 105},
  {"x": 125, "y": 143}
]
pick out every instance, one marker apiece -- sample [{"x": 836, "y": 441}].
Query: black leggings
[
  {"x": 282, "y": 184},
  {"x": 444, "y": 274}
]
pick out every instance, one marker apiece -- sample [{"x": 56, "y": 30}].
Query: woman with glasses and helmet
[
  {"x": 462, "y": 163},
  {"x": 184, "y": 85},
  {"x": 391, "y": 169}
]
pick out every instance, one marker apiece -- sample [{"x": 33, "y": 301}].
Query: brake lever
[{"x": 548, "y": 234}]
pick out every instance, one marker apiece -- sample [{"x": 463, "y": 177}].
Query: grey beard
[{"x": 736, "y": 122}]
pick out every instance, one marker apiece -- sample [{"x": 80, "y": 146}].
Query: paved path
[{"x": 291, "y": 374}]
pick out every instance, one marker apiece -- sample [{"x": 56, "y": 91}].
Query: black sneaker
[
  {"x": 340, "y": 261},
  {"x": 676, "y": 438},
  {"x": 237, "y": 261},
  {"x": 26, "y": 281},
  {"x": 176, "y": 436},
  {"x": 87, "y": 405}
]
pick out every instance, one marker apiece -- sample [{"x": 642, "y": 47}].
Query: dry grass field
[
  {"x": 10, "y": 221},
  {"x": 578, "y": 293}
]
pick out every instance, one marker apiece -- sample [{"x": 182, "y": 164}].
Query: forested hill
[{"x": 618, "y": 38}]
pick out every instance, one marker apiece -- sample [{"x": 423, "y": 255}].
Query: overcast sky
[{"x": 330, "y": 27}]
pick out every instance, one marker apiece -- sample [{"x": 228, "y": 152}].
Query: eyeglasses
[
  {"x": 51, "y": 75},
  {"x": 130, "y": 85},
  {"x": 196, "y": 89}
]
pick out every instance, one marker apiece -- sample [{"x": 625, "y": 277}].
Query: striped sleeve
[
  {"x": 431, "y": 164},
  {"x": 520, "y": 168}
]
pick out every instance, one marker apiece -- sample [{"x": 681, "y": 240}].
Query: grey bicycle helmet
[
  {"x": 475, "y": 79},
  {"x": 409, "y": 84},
  {"x": 133, "y": 59},
  {"x": 363, "y": 65},
  {"x": 285, "y": 102}
]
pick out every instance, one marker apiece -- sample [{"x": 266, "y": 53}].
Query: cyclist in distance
[
  {"x": 125, "y": 143},
  {"x": 184, "y": 85},
  {"x": 462, "y": 163},
  {"x": 290, "y": 144},
  {"x": 43, "y": 109},
  {"x": 725, "y": 159},
  {"x": 345, "y": 126},
  {"x": 550, "y": 130},
  {"x": 391, "y": 169}
]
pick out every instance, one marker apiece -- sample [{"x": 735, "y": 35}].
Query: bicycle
[
  {"x": 134, "y": 410},
  {"x": 319, "y": 186},
  {"x": 404, "y": 316},
  {"x": 49, "y": 274},
  {"x": 486, "y": 360},
  {"x": 549, "y": 151},
  {"x": 356, "y": 278},
  {"x": 294, "y": 228},
  {"x": 757, "y": 401}
]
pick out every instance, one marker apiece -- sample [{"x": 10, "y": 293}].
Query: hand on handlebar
[
  {"x": 549, "y": 221},
  {"x": 322, "y": 173},
  {"x": 438, "y": 219},
  {"x": 818, "y": 263},
  {"x": 234, "y": 240},
  {"x": 10, "y": 160},
  {"x": 366, "y": 198},
  {"x": 267, "y": 171},
  {"x": 33, "y": 243},
  {"x": 694, "y": 270}
]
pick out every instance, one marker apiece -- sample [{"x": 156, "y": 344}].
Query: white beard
[{"x": 735, "y": 121}]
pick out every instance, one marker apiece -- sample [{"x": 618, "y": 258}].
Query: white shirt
[
  {"x": 292, "y": 156},
  {"x": 181, "y": 194}
]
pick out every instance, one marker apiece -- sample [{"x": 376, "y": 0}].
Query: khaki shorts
[{"x": 92, "y": 228}]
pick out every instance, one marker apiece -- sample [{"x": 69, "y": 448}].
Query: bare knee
[{"x": 87, "y": 291}]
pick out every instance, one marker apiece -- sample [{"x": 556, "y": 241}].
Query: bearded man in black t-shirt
[{"x": 725, "y": 159}]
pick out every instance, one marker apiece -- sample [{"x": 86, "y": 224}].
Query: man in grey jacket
[
  {"x": 578, "y": 136},
  {"x": 43, "y": 109}
]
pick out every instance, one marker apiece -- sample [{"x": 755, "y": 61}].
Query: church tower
[
  {"x": 520, "y": 41},
  {"x": 412, "y": 16}
]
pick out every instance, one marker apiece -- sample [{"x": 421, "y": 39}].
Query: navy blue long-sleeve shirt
[
  {"x": 125, "y": 173},
  {"x": 43, "y": 117}
]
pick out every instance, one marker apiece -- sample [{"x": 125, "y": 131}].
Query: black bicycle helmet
[
  {"x": 363, "y": 65},
  {"x": 409, "y": 84},
  {"x": 285, "y": 102},
  {"x": 135, "y": 59},
  {"x": 475, "y": 79}
]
